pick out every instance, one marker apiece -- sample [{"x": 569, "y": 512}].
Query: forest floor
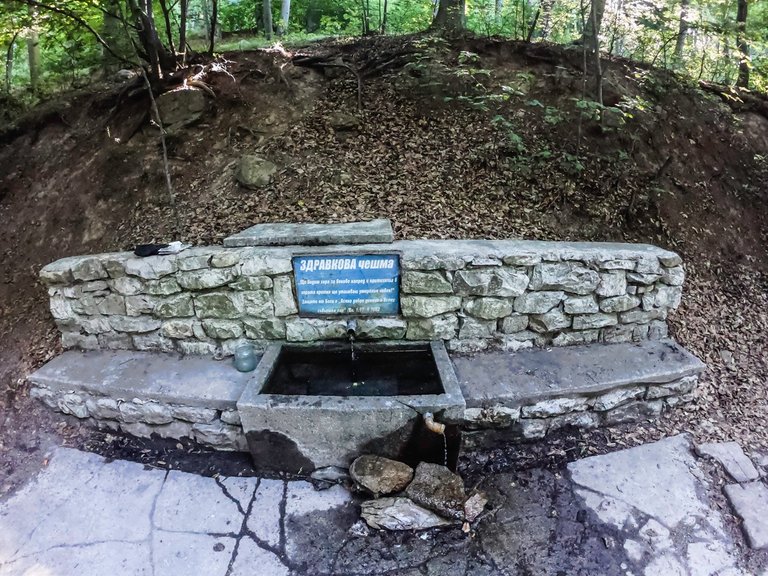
[{"x": 473, "y": 138}]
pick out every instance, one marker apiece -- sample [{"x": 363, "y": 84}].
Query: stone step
[
  {"x": 196, "y": 381},
  {"x": 514, "y": 379},
  {"x": 286, "y": 234}
]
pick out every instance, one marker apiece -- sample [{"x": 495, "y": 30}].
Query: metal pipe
[
  {"x": 352, "y": 327},
  {"x": 429, "y": 422}
]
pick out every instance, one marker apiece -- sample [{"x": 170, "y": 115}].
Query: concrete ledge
[
  {"x": 285, "y": 234},
  {"x": 196, "y": 381},
  {"x": 515, "y": 379}
]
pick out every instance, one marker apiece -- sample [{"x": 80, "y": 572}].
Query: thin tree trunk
[
  {"x": 266, "y": 17},
  {"x": 183, "y": 5},
  {"x": 33, "y": 52},
  {"x": 595, "y": 47},
  {"x": 9, "y": 62},
  {"x": 546, "y": 18},
  {"x": 682, "y": 30},
  {"x": 384, "y": 18},
  {"x": 168, "y": 28},
  {"x": 113, "y": 33},
  {"x": 741, "y": 43},
  {"x": 498, "y": 10},
  {"x": 450, "y": 16},
  {"x": 214, "y": 18},
  {"x": 285, "y": 16},
  {"x": 594, "y": 20}
]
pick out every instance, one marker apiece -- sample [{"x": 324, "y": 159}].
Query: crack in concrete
[
  {"x": 77, "y": 546},
  {"x": 230, "y": 496},
  {"x": 152, "y": 526},
  {"x": 243, "y": 525}
]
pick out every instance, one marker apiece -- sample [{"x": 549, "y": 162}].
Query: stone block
[
  {"x": 582, "y": 420},
  {"x": 420, "y": 261},
  {"x": 554, "y": 407},
  {"x": 488, "y": 308},
  {"x": 218, "y": 305},
  {"x": 751, "y": 502},
  {"x": 575, "y": 338},
  {"x": 88, "y": 268},
  {"x": 230, "y": 417},
  {"x": 193, "y": 414},
  {"x": 257, "y": 303},
  {"x": 441, "y": 327},
  {"x": 245, "y": 283},
  {"x": 619, "y": 303},
  {"x": 314, "y": 329},
  {"x": 473, "y": 328},
  {"x": 491, "y": 417},
  {"x": 140, "y": 304},
  {"x": 73, "y": 404},
  {"x": 617, "y": 264},
  {"x": 264, "y": 329},
  {"x": 151, "y": 267},
  {"x": 668, "y": 296},
  {"x": 113, "y": 304},
  {"x": 46, "y": 396},
  {"x": 81, "y": 341},
  {"x": 129, "y": 412},
  {"x": 61, "y": 308},
  {"x": 504, "y": 282},
  {"x": 537, "y": 302},
  {"x": 615, "y": 398},
  {"x": 633, "y": 412},
  {"x": 206, "y": 278},
  {"x": 612, "y": 284},
  {"x": 381, "y": 329},
  {"x": 127, "y": 285},
  {"x": 195, "y": 258},
  {"x": 103, "y": 408},
  {"x": 115, "y": 341},
  {"x": 222, "y": 329},
  {"x": 581, "y": 305},
  {"x": 284, "y": 301},
  {"x": 533, "y": 429},
  {"x": 428, "y": 306},
  {"x": 567, "y": 276},
  {"x": 434, "y": 282},
  {"x": 225, "y": 258},
  {"x": 550, "y": 322},
  {"x": 219, "y": 435},
  {"x": 196, "y": 348},
  {"x": 522, "y": 259},
  {"x": 514, "y": 323},
  {"x": 616, "y": 334},
  {"x": 153, "y": 413},
  {"x": 134, "y": 324},
  {"x": 153, "y": 342},
  {"x": 163, "y": 287},
  {"x": 96, "y": 325},
  {"x": 673, "y": 276},
  {"x": 58, "y": 272},
  {"x": 648, "y": 265},
  {"x": 732, "y": 458},
  {"x": 592, "y": 321},
  {"x": 256, "y": 263},
  {"x": 178, "y": 329},
  {"x": 289, "y": 234},
  {"x": 658, "y": 330},
  {"x": 644, "y": 279},
  {"x": 637, "y": 316}
]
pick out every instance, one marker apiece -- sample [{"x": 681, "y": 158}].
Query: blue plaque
[{"x": 366, "y": 285}]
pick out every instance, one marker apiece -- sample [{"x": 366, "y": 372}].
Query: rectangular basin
[{"x": 306, "y": 408}]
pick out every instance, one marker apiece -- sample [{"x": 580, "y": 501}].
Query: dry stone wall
[{"x": 473, "y": 294}]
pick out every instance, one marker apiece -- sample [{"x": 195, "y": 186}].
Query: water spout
[
  {"x": 352, "y": 328},
  {"x": 436, "y": 427}
]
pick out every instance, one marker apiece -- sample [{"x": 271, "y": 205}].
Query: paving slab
[
  {"x": 751, "y": 504},
  {"x": 732, "y": 458},
  {"x": 170, "y": 378},
  {"x": 513, "y": 379},
  {"x": 637, "y": 512},
  {"x": 288, "y": 234}
]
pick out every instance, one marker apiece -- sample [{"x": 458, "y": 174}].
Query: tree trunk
[
  {"x": 9, "y": 63},
  {"x": 741, "y": 43},
  {"x": 266, "y": 18},
  {"x": 33, "y": 52},
  {"x": 168, "y": 28},
  {"x": 285, "y": 16},
  {"x": 498, "y": 10},
  {"x": 384, "y": 18},
  {"x": 114, "y": 34},
  {"x": 450, "y": 17},
  {"x": 682, "y": 30},
  {"x": 214, "y": 18},
  {"x": 591, "y": 36},
  {"x": 546, "y": 18},
  {"x": 183, "y": 5}
]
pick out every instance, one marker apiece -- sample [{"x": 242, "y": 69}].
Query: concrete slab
[
  {"x": 169, "y": 378},
  {"x": 732, "y": 458},
  {"x": 538, "y": 521},
  {"x": 513, "y": 379},
  {"x": 654, "y": 494},
  {"x": 751, "y": 504},
  {"x": 287, "y": 234}
]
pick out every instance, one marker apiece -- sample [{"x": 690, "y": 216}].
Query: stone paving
[{"x": 645, "y": 511}]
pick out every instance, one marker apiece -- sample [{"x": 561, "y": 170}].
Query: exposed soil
[{"x": 684, "y": 172}]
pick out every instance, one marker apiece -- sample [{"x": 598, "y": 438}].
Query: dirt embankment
[{"x": 476, "y": 139}]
